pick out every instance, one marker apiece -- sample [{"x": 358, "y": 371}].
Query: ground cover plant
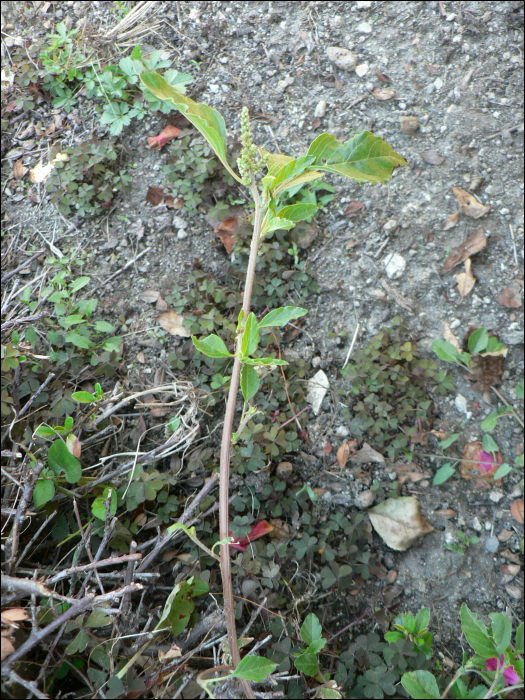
[{"x": 110, "y": 447}]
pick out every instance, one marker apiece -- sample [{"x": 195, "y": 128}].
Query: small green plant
[
  {"x": 462, "y": 543},
  {"x": 414, "y": 630},
  {"x": 482, "y": 346},
  {"x": 365, "y": 157},
  {"x": 390, "y": 383},
  {"x": 85, "y": 178}
]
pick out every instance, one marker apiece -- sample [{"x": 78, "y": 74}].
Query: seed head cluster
[{"x": 248, "y": 166}]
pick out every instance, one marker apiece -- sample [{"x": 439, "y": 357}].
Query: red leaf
[
  {"x": 225, "y": 231},
  {"x": 262, "y": 528},
  {"x": 157, "y": 142},
  {"x": 156, "y": 196}
]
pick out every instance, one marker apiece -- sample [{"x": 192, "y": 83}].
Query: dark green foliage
[
  {"x": 391, "y": 386},
  {"x": 88, "y": 180}
]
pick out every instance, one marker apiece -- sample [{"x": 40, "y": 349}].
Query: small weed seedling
[
  {"x": 365, "y": 158},
  {"x": 462, "y": 543}
]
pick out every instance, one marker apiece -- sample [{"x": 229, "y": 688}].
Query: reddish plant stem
[{"x": 229, "y": 609}]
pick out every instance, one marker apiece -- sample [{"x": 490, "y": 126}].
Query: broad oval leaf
[
  {"x": 212, "y": 346},
  {"x": 297, "y": 212},
  {"x": 250, "y": 336},
  {"x": 254, "y": 668},
  {"x": 445, "y": 350},
  {"x": 79, "y": 283},
  {"x": 249, "y": 382},
  {"x": 83, "y": 397},
  {"x": 478, "y": 340},
  {"x": 98, "y": 507},
  {"x": 43, "y": 492},
  {"x": 281, "y": 316},
  {"x": 421, "y": 685},
  {"x": 476, "y": 633},
  {"x": 207, "y": 120},
  {"x": 59, "y": 458},
  {"x": 365, "y": 157},
  {"x": 311, "y": 629},
  {"x": 443, "y": 474},
  {"x": 307, "y": 664}
]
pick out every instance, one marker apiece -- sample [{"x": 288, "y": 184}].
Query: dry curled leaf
[
  {"x": 6, "y": 647},
  {"x": 354, "y": 208},
  {"x": 172, "y": 322},
  {"x": 450, "y": 338},
  {"x": 156, "y": 196},
  {"x": 516, "y": 510},
  {"x": 383, "y": 93},
  {"x": 40, "y": 172},
  {"x": 344, "y": 450},
  {"x": 510, "y": 297},
  {"x": 157, "y": 142},
  {"x": 366, "y": 455},
  {"x": 470, "y": 205},
  {"x": 74, "y": 445},
  {"x": 13, "y": 615},
  {"x": 450, "y": 221},
  {"x": 382, "y": 76},
  {"x": 465, "y": 280},
  {"x": 474, "y": 243},
  {"x": 487, "y": 368},
  {"x": 149, "y": 295},
  {"x": 225, "y": 231},
  {"x": 19, "y": 170},
  {"x": 161, "y": 304},
  {"x": 399, "y": 522},
  {"x": 432, "y": 157}
]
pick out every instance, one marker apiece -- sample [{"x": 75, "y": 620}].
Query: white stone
[
  {"x": 365, "y": 499},
  {"x": 214, "y": 89},
  {"x": 390, "y": 225},
  {"x": 496, "y": 496},
  {"x": 362, "y": 69},
  {"x": 395, "y": 265},
  {"x": 179, "y": 222},
  {"x": 320, "y": 109},
  {"x": 455, "y": 323},
  {"x": 461, "y": 403},
  {"x": 342, "y": 431},
  {"x": 181, "y": 234},
  {"x": 438, "y": 83},
  {"x": 364, "y": 4},
  {"x": 476, "y": 525},
  {"x": 343, "y": 58},
  {"x": 318, "y": 385},
  {"x": 316, "y": 361},
  {"x": 364, "y": 28}
]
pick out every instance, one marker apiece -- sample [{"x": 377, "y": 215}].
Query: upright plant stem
[{"x": 226, "y": 448}]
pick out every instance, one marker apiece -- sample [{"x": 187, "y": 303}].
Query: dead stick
[
  {"x": 110, "y": 561},
  {"x": 129, "y": 264}
]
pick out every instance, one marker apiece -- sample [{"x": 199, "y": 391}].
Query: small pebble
[
  {"x": 365, "y": 499},
  {"x": 343, "y": 58},
  {"x": 181, "y": 234},
  {"x": 320, "y": 109},
  {"x": 316, "y": 361},
  {"x": 476, "y": 525},
  {"x": 492, "y": 544},
  {"x": 362, "y": 69},
  {"x": 342, "y": 431},
  {"x": 409, "y": 125},
  {"x": 364, "y": 28},
  {"x": 394, "y": 266},
  {"x": 390, "y": 225},
  {"x": 496, "y": 496}
]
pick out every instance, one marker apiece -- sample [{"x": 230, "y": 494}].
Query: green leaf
[
  {"x": 43, "y": 492},
  {"x": 83, "y": 397},
  {"x": 250, "y": 336},
  {"x": 445, "y": 350},
  {"x": 281, "y": 316},
  {"x": 98, "y": 618},
  {"x": 489, "y": 445},
  {"x": 98, "y": 507},
  {"x": 502, "y": 471},
  {"x": 476, "y": 633},
  {"x": 478, "y": 340},
  {"x": 60, "y": 458},
  {"x": 207, "y": 120},
  {"x": 249, "y": 382},
  {"x": 254, "y": 668},
  {"x": 420, "y": 685},
  {"x": 365, "y": 157},
  {"x": 297, "y": 212},
  {"x": 422, "y": 620},
  {"x": 103, "y": 327},
  {"x": 490, "y": 422},
  {"x": 449, "y": 441},
  {"x": 501, "y": 629},
  {"x": 45, "y": 431},
  {"x": 519, "y": 388},
  {"x": 80, "y": 341},
  {"x": 307, "y": 664},
  {"x": 262, "y": 361},
  {"x": 212, "y": 346},
  {"x": 493, "y": 344},
  {"x": 179, "y": 604},
  {"x": 79, "y": 283},
  {"x": 443, "y": 474},
  {"x": 311, "y": 629},
  {"x": 316, "y": 646}
]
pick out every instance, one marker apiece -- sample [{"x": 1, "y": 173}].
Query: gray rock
[
  {"x": 395, "y": 265},
  {"x": 320, "y": 109},
  {"x": 318, "y": 385},
  {"x": 343, "y": 58},
  {"x": 365, "y": 499}
]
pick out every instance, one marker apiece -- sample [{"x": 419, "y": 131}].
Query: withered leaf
[
  {"x": 516, "y": 509},
  {"x": 161, "y": 304},
  {"x": 157, "y": 142},
  {"x": 156, "y": 196},
  {"x": 172, "y": 322},
  {"x": 383, "y": 93},
  {"x": 344, "y": 450},
  {"x": 470, "y": 205},
  {"x": 19, "y": 170},
  {"x": 450, "y": 338},
  {"x": 149, "y": 295},
  {"x": 510, "y": 297},
  {"x": 450, "y": 221},
  {"x": 432, "y": 157},
  {"x": 474, "y": 243},
  {"x": 399, "y": 522},
  {"x": 465, "y": 280},
  {"x": 366, "y": 455},
  {"x": 354, "y": 208},
  {"x": 487, "y": 370},
  {"x": 382, "y": 77},
  {"x": 74, "y": 445},
  {"x": 225, "y": 231}
]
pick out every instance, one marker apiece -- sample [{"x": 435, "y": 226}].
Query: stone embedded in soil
[
  {"x": 390, "y": 225},
  {"x": 409, "y": 125},
  {"x": 461, "y": 403},
  {"x": 343, "y": 58},
  {"x": 362, "y": 69},
  {"x": 318, "y": 385},
  {"x": 342, "y": 431},
  {"x": 395, "y": 265},
  {"x": 320, "y": 109},
  {"x": 365, "y": 499},
  {"x": 492, "y": 544}
]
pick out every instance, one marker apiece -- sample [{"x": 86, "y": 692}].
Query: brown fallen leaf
[
  {"x": 383, "y": 93},
  {"x": 13, "y": 615},
  {"x": 487, "y": 369},
  {"x": 172, "y": 322},
  {"x": 399, "y": 522},
  {"x": 516, "y": 510},
  {"x": 344, "y": 450},
  {"x": 409, "y": 472},
  {"x": 7, "y": 647},
  {"x": 327, "y": 448},
  {"x": 161, "y": 304},
  {"x": 505, "y": 535},
  {"x": 354, "y": 208},
  {"x": 514, "y": 591},
  {"x": 156, "y": 196},
  {"x": 450, "y": 338},
  {"x": 149, "y": 295},
  {"x": 465, "y": 280},
  {"x": 510, "y": 297},
  {"x": 141, "y": 357},
  {"x": 479, "y": 466},
  {"x": 382, "y": 76},
  {"x": 367, "y": 454},
  {"x": 172, "y": 653},
  {"x": 450, "y": 221},
  {"x": 432, "y": 157},
  {"x": 19, "y": 170},
  {"x": 157, "y": 142},
  {"x": 470, "y": 205},
  {"x": 225, "y": 231},
  {"x": 474, "y": 243},
  {"x": 316, "y": 123}
]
